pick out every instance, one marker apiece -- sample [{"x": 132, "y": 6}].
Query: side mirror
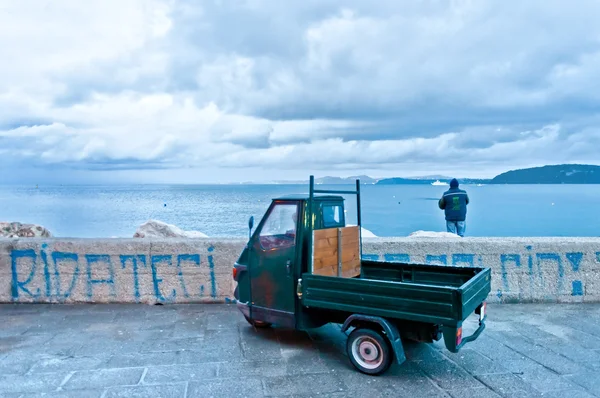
[{"x": 250, "y": 224}]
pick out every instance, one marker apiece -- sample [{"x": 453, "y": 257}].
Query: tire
[
  {"x": 258, "y": 324},
  {"x": 369, "y": 351}
]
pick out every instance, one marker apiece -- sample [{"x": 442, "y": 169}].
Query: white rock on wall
[
  {"x": 365, "y": 233},
  {"x": 18, "y": 230},
  {"x": 432, "y": 234},
  {"x": 159, "y": 229}
]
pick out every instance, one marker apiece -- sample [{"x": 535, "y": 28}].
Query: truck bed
[{"x": 442, "y": 295}]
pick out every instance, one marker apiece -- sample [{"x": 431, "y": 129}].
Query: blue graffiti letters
[
  {"x": 156, "y": 280},
  {"x": 134, "y": 265},
  {"x": 93, "y": 260},
  {"x": 17, "y": 285},
  {"x": 55, "y": 275}
]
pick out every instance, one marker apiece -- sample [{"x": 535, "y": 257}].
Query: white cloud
[{"x": 396, "y": 87}]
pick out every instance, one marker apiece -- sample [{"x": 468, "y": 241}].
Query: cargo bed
[{"x": 438, "y": 295}]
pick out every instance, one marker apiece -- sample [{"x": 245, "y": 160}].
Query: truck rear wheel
[
  {"x": 369, "y": 351},
  {"x": 258, "y": 324}
]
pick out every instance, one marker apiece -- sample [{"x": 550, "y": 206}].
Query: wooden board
[{"x": 326, "y": 248}]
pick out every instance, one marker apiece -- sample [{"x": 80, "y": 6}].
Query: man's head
[{"x": 454, "y": 183}]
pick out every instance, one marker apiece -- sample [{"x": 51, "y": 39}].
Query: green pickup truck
[{"x": 302, "y": 268}]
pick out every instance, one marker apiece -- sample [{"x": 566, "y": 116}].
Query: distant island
[
  {"x": 556, "y": 174},
  {"x": 551, "y": 174}
]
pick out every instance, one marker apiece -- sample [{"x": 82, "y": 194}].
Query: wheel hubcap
[{"x": 367, "y": 352}]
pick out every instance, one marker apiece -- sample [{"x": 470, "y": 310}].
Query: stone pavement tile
[
  {"x": 106, "y": 347},
  {"x": 223, "y": 320},
  {"x": 161, "y": 314},
  {"x": 210, "y": 354},
  {"x": 101, "y": 378},
  {"x": 14, "y": 325},
  {"x": 253, "y": 368},
  {"x": 240, "y": 387},
  {"x": 223, "y": 337},
  {"x": 480, "y": 392},
  {"x": 495, "y": 351},
  {"x": 43, "y": 382},
  {"x": 595, "y": 365},
  {"x": 584, "y": 339},
  {"x": 401, "y": 385},
  {"x": 11, "y": 395},
  {"x": 474, "y": 362},
  {"x": 162, "y": 391},
  {"x": 512, "y": 340},
  {"x": 66, "y": 394},
  {"x": 190, "y": 344},
  {"x": 531, "y": 332},
  {"x": 574, "y": 352},
  {"x": 303, "y": 384},
  {"x": 85, "y": 320},
  {"x": 24, "y": 342},
  {"x": 136, "y": 360},
  {"x": 301, "y": 362},
  {"x": 17, "y": 364},
  {"x": 331, "y": 350},
  {"x": 508, "y": 385},
  {"x": 585, "y": 325},
  {"x": 177, "y": 373},
  {"x": 588, "y": 380},
  {"x": 552, "y": 360},
  {"x": 18, "y": 308},
  {"x": 120, "y": 333},
  {"x": 152, "y": 324},
  {"x": 254, "y": 349},
  {"x": 292, "y": 339},
  {"x": 545, "y": 380},
  {"x": 125, "y": 317},
  {"x": 58, "y": 363},
  {"x": 568, "y": 394},
  {"x": 446, "y": 374},
  {"x": 188, "y": 328},
  {"x": 519, "y": 366}
]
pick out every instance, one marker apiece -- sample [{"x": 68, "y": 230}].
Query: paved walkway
[{"x": 209, "y": 350}]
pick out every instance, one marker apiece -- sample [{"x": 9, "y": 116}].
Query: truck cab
[{"x": 276, "y": 255}]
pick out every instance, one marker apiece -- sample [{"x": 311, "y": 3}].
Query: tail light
[
  {"x": 234, "y": 272},
  {"x": 458, "y": 336}
]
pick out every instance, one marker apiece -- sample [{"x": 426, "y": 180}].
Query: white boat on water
[{"x": 438, "y": 182}]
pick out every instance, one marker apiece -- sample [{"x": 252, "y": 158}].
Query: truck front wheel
[{"x": 369, "y": 351}]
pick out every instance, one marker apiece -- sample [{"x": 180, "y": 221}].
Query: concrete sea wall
[{"x": 199, "y": 270}]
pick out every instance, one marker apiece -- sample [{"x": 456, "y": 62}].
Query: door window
[
  {"x": 332, "y": 216},
  {"x": 279, "y": 230}
]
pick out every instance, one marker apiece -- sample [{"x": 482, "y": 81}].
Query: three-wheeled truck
[{"x": 302, "y": 268}]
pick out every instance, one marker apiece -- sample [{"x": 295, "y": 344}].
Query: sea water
[{"x": 223, "y": 210}]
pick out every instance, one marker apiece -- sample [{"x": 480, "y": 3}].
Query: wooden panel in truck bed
[{"x": 333, "y": 244}]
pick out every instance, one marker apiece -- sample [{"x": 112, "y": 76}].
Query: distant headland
[{"x": 551, "y": 174}]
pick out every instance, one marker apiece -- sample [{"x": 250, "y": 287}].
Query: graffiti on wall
[
  {"x": 534, "y": 264},
  {"x": 53, "y": 268}
]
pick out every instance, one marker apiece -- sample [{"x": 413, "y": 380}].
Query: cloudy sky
[{"x": 221, "y": 90}]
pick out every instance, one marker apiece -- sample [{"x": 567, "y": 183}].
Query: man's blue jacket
[{"x": 454, "y": 202}]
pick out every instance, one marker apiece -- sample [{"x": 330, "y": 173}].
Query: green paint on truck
[{"x": 388, "y": 302}]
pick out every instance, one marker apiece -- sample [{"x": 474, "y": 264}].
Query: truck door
[{"x": 272, "y": 269}]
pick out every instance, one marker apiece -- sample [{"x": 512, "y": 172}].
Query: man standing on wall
[{"x": 454, "y": 203}]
